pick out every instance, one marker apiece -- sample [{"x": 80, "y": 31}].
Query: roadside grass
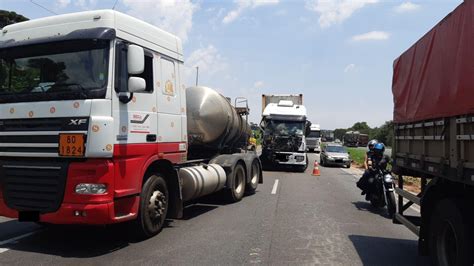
[{"x": 357, "y": 155}]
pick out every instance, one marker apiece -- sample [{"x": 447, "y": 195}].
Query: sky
[{"x": 337, "y": 53}]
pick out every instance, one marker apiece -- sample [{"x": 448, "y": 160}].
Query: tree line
[{"x": 383, "y": 133}]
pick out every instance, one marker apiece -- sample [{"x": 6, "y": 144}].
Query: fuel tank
[
  {"x": 201, "y": 180},
  {"x": 213, "y": 123}
]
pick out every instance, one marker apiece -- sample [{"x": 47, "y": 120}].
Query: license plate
[{"x": 71, "y": 145}]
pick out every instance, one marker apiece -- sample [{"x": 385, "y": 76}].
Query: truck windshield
[
  {"x": 314, "y": 134},
  {"x": 286, "y": 128},
  {"x": 54, "y": 71}
]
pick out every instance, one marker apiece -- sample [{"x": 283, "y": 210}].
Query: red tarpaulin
[{"x": 435, "y": 77}]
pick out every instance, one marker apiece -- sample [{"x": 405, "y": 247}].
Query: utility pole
[{"x": 197, "y": 75}]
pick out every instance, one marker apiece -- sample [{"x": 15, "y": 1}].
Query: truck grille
[
  {"x": 37, "y": 137},
  {"x": 33, "y": 187}
]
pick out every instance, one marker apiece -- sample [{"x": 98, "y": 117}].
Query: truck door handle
[{"x": 151, "y": 137}]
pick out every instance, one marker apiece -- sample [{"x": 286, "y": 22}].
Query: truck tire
[
  {"x": 154, "y": 200},
  {"x": 236, "y": 189},
  {"x": 252, "y": 185},
  {"x": 450, "y": 236}
]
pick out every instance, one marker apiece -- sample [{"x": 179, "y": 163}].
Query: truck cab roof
[{"x": 126, "y": 27}]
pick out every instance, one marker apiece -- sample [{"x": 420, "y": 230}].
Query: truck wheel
[
  {"x": 153, "y": 207},
  {"x": 450, "y": 239},
  {"x": 236, "y": 188},
  {"x": 252, "y": 185}
]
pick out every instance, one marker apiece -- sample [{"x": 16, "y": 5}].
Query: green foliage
[
  {"x": 357, "y": 155},
  {"x": 339, "y": 133},
  {"x": 10, "y": 17}
]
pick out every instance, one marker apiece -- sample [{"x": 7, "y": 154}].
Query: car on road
[{"x": 335, "y": 154}]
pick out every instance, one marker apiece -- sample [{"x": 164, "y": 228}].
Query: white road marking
[
  {"x": 14, "y": 239},
  {"x": 275, "y": 187}
]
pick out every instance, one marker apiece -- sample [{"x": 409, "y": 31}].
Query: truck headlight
[
  {"x": 91, "y": 189},
  {"x": 299, "y": 158},
  {"x": 388, "y": 178}
]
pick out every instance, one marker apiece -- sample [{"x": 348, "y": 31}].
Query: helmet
[
  {"x": 379, "y": 148},
  {"x": 371, "y": 144}
]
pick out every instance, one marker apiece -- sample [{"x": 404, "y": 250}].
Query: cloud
[
  {"x": 258, "y": 84},
  {"x": 82, "y": 4},
  {"x": 63, "y": 3},
  {"x": 175, "y": 16},
  {"x": 209, "y": 61},
  {"x": 243, "y": 5},
  {"x": 371, "y": 36},
  {"x": 407, "y": 7},
  {"x": 335, "y": 11},
  {"x": 349, "y": 68}
]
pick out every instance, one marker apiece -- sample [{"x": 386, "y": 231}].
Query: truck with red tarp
[{"x": 433, "y": 92}]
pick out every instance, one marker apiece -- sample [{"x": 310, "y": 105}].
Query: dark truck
[{"x": 433, "y": 92}]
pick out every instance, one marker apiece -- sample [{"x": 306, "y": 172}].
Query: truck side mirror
[
  {"x": 136, "y": 84},
  {"x": 135, "y": 59}
]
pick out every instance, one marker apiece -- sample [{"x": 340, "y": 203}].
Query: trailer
[
  {"x": 434, "y": 137},
  {"x": 97, "y": 126}
]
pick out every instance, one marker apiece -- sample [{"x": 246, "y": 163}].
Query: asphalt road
[{"x": 304, "y": 219}]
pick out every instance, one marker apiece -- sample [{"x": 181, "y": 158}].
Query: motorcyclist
[{"x": 363, "y": 181}]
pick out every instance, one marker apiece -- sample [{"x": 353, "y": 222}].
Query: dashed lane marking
[{"x": 275, "y": 186}]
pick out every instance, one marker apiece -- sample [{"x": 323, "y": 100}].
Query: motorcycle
[{"x": 381, "y": 188}]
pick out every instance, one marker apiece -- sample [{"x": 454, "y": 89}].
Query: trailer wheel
[
  {"x": 255, "y": 172},
  {"x": 450, "y": 239},
  {"x": 237, "y": 181},
  {"x": 154, "y": 201}
]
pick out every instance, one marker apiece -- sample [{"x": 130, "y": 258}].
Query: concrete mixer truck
[{"x": 97, "y": 127}]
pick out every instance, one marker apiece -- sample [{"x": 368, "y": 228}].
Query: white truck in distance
[
  {"x": 285, "y": 126},
  {"x": 313, "y": 140},
  {"x": 97, "y": 127}
]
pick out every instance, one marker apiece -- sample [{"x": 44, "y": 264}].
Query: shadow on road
[
  {"x": 387, "y": 251},
  {"x": 76, "y": 241},
  {"x": 71, "y": 241},
  {"x": 12, "y": 228},
  {"x": 366, "y": 206}
]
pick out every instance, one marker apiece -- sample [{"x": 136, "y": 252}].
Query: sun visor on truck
[
  {"x": 83, "y": 34},
  {"x": 300, "y": 118}
]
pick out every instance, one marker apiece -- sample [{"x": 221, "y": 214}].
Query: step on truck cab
[
  {"x": 97, "y": 126},
  {"x": 285, "y": 128}
]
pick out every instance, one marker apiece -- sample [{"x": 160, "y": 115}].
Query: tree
[
  {"x": 339, "y": 133},
  {"x": 385, "y": 133},
  {"x": 10, "y": 17}
]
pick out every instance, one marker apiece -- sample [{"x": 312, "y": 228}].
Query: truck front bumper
[
  {"x": 77, "y": 208},
  {"x": 289, "y": 158}
]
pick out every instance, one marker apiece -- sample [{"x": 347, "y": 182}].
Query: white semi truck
[
  {"x": 97, "y": 126},
  {"x": 285, "y": 128},
  {"x": 313, "y": 140}
]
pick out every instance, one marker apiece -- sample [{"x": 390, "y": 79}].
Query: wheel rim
[
  {"x": 446, "y": 244},
  {"x": 255, "y": 174},
  {"x": 239, "y": 181},
  {"x": 157, "y": 206}
]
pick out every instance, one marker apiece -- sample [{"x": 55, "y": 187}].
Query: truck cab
[
  {"x": 284, "y": 137},
  {"x": 313, "y": 140},
  {"x": 88, "y": 102}
]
